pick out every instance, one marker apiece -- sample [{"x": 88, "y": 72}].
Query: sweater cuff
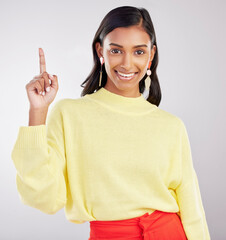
[{"x": 31, "y": 136}]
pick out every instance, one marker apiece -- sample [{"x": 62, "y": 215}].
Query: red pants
[{"x": 155, "y": 226}]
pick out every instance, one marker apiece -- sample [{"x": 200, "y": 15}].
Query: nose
[{"x": 127, "y": 61}]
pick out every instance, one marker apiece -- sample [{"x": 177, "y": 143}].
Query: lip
[{"x": 125, "y": 78}]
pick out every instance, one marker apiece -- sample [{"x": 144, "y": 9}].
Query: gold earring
[
  {"x": 148, "y": 79},
  {"x": 100, "y": 78}
]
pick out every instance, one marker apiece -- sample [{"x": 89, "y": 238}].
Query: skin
[
  {"x": 126, "y": 59},
  {"x": 38, "y": 98}
]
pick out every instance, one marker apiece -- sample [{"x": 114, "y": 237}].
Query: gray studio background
[{"x": 191, "y": 37}]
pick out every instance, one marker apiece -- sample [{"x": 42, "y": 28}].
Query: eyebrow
[{"x": 115, "y": 44}]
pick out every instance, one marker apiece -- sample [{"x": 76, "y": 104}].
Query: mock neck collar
[{"x": 119, "y": 103}]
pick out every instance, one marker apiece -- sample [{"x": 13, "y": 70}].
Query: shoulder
[
  {"x": 67, "y": 103},
  {"x": 169, "y": 118},
  {"x": 172, "y": 124}
]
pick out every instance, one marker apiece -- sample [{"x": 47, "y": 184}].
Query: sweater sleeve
[
  {"x": 192, "y": 213},
  {"x": 39, "y": 158}
]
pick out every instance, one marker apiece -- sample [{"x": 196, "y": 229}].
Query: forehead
[{"x": 130, "y": 36}]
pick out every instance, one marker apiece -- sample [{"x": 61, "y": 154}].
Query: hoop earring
[
  {"x": 100, "y": 78},
  {"x": 148, "y": 79}
]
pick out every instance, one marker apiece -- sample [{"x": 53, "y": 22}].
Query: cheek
[
  {"x": 141, "y": 64},
  {"x": 110, "y": 63}
]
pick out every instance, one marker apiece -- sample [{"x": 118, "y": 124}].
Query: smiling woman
[
  {"x": 112, "y": 157},
  {"x": 126, "y": 41}
]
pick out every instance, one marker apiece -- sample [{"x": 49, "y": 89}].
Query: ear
[
  {"x": 99, "y": 49},
  {"x": 153, "y": 50}
]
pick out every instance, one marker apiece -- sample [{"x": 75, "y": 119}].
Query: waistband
[{"x": 135, "y": 228}]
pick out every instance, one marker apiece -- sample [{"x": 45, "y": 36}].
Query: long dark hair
[{"x": 124, "y": 16}]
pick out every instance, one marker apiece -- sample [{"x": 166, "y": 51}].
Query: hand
[{"x": 37, "y": 89}]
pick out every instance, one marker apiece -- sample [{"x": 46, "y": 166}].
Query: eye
[
  {"x": 114, "y": 51},
  {"x": 140, "y": 52}
]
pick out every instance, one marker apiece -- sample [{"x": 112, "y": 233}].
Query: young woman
[{"x": 112, "y": 157}]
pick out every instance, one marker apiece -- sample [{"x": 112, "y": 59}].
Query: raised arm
[{"x": 39, "y": 153}]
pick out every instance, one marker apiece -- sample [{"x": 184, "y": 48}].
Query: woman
[{"x": 112, "y": 157}]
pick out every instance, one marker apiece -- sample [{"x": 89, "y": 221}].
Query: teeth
[{"x": 126, "y": 75}]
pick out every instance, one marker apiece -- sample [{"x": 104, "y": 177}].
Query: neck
[
  {"x": 126, "y": 93},
  {"x": 119, "y": 103}
]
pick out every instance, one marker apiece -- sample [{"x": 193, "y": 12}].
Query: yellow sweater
[{"x": 109, "y": 157}]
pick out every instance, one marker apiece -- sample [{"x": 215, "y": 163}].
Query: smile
[{"x": 124, "y": 76}]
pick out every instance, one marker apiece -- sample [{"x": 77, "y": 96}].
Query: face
[{"x": 127, "y": 53}]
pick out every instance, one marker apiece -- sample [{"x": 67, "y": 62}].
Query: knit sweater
[{"x": 104, "y": 156}]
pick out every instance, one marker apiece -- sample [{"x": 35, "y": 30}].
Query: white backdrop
[{"x": 191, "y": 37}]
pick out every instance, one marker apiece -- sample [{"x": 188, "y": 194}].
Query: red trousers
[{"x": 155, "y": 226}]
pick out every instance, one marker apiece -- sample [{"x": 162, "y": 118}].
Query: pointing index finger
[{"x": 42, "y": 61}]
